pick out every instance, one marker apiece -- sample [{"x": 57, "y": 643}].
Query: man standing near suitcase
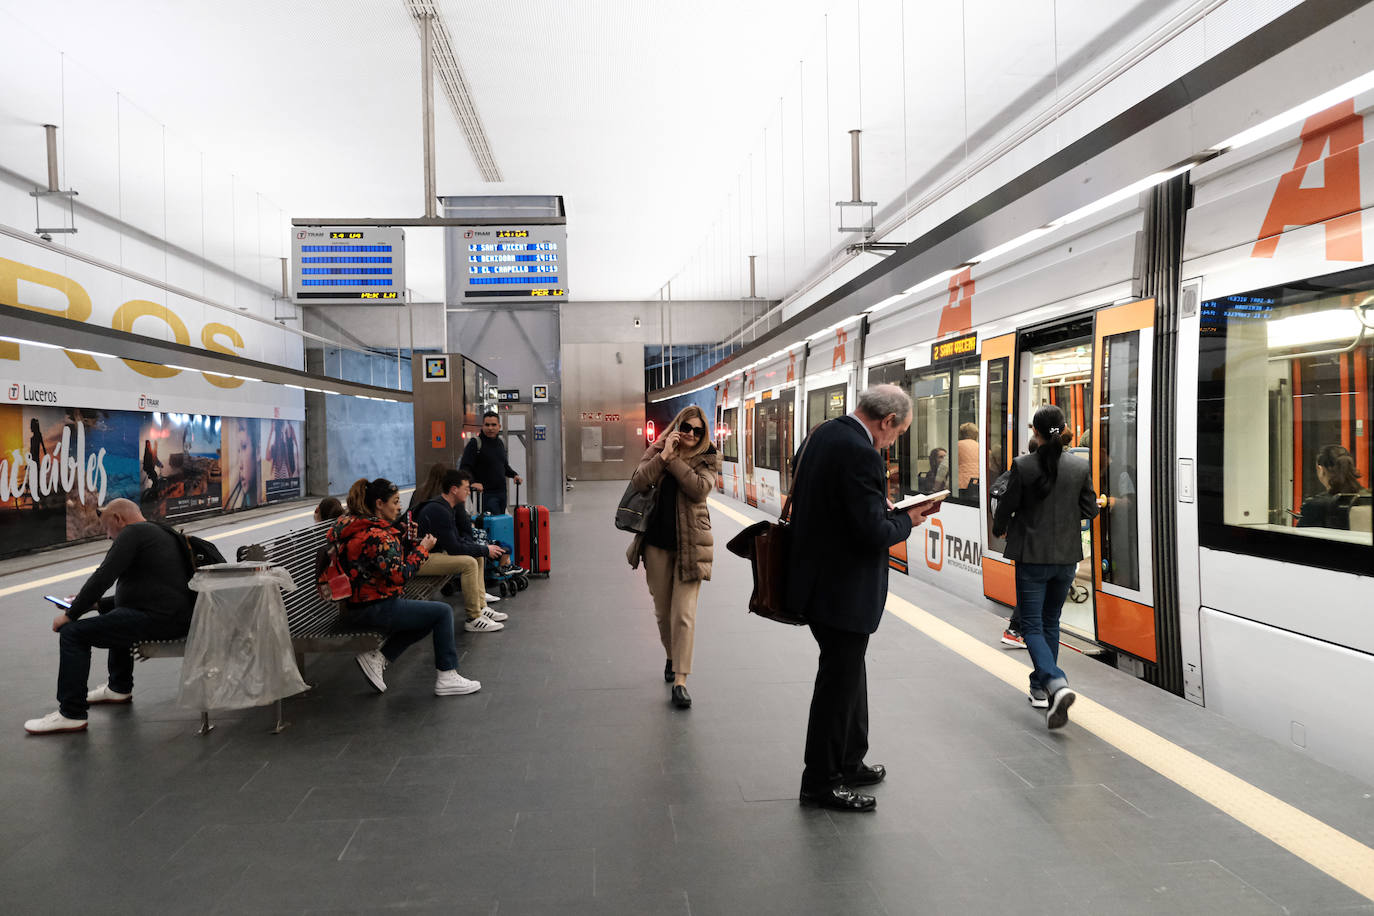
[
  {"x": 485, "y": 459},
  {"x": 842, "y": 528}
]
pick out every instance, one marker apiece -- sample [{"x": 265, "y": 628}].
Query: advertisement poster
[
  {"x": 109, "y": 441},
  {"x": 281, "y": 459},
  {"x": 180, "y": 464},
  {"x": 33, "y": 508},
  {"x": 243, "y": 478},
  {"x": 59, "y": 465}
]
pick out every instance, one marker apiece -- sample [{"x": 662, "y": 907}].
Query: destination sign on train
[{"x": 954, "y": 349}]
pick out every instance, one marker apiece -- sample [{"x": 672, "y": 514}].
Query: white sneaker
[
  {"x": 451, "y": 683},
  {"x": 490, "y": 597},
  {"x": 483, "y": 624},
  {"x": 103, "y": 694},
  {"x": 373, "y": 664},
  {"x": 54, "y": 723},
  {"x": 497, "y": 616}
]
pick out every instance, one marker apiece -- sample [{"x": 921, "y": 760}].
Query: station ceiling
[{"x": 649, "y": 118}]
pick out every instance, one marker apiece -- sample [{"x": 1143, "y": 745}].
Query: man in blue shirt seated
[
  {"x": 456, "y": 552},
  {"x": 149, "y": 569}
]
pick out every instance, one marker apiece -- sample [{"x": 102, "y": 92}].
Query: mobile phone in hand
[{"x": 64, "y": 603}]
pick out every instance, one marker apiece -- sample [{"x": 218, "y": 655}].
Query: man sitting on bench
[
  {"x": 148, "y": 567},
  {"x": 461, "y": 555}
]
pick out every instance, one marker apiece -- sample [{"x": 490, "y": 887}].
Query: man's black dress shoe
[
  {"x": 840, "y": 798},
  {"x": 668, "y": 671},
  {"x": 681, "y": 698},
  {"x": 866, "y": 775}
]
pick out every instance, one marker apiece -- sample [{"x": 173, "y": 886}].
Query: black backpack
[{"x": 195, "y": 551}]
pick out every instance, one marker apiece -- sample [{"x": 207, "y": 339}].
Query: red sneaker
[{"x": 1013, "y": 639}]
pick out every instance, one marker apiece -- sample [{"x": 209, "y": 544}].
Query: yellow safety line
[{"x": 1315, "y": 842}]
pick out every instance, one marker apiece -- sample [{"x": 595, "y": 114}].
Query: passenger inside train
[{"x": 1343, "y": 503}]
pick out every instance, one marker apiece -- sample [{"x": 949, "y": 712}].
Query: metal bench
[{"x": 314, "y": 624}]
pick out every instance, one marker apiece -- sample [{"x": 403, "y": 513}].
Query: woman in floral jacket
[{"x": 379, "y": 558}]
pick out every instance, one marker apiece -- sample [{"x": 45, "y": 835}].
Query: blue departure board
[
  {"x": 348, "y": 265},
  {"x": 511, "y": 263}
]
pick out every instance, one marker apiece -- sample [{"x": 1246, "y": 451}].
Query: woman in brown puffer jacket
[{"x": 677, "y": 547}]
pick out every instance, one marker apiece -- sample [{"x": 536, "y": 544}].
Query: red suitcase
[{"x": 532, "y": 537}]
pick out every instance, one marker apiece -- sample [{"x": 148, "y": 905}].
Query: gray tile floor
[{"x": 568, "y": 785}]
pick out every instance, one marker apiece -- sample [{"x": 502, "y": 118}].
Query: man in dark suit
[{"x": 841, "y": 531}]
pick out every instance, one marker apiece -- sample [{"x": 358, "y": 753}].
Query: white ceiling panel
[{"x": 683, "y": 137}]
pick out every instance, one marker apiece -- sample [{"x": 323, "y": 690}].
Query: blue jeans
[
  {"x": 113, "y": 628},
  {"x": 1040, "y": 592},
  {"x": 494, "y": 501},
  {"x": 407, "y": 621}
]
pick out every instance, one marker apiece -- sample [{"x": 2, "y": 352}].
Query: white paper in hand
[{"x": 920, "y": 499}]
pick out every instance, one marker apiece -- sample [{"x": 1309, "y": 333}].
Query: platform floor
[{"x": 569, "y": 785}]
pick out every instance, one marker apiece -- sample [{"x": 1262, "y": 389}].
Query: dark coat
[
  {"x": 841, "y": 529},
  {"x": 1046, "y": 530},
  {"x": 485, "y": 458}
]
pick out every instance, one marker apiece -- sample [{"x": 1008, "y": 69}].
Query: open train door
[
  {"x": 1120, "y": 453},
  {"x": 999, "y": 353}
]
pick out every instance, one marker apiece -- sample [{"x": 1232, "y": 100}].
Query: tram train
[{"x": 1271, "y": 557}]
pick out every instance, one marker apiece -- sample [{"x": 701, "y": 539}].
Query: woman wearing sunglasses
[{"x": 677, "y": 547}]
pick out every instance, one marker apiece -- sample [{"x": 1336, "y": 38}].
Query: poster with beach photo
[
  {"x": 108, "y": 440},
  {"x": 180, "y": 468}
]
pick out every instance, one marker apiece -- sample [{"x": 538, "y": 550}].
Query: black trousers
[
  {"x": 116, "y": 629},
  {"x": 837, "y": 731}
]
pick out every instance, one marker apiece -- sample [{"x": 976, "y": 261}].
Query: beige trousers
[
  {"x": 675, "y": 606},
  {"x": 472, "y": 577}
]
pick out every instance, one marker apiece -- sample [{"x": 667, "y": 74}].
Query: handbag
[
  {"x": 331, "y": 580},
  {"x": 635, "y": 509},
  {"x": 767, "y": 546}
]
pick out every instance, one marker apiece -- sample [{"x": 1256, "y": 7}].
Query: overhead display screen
[
  {"x": 512, "y": 263},
  {"x": 342, "y": 265}
]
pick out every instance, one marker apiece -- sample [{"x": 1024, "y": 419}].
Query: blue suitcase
[{"x": 500, "y": 529}]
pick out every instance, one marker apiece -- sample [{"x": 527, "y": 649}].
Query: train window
[
  {"x": 897, "y": 457},
  {"x": 773, "y": 435},
  {"x": 940, "y": 452},
  {"x": 929, "y": 433},
  {"x": 996, "y": 434},
  {"x": 1284, "y": 421},
  {"x": 729, "y": 443},
  {"x": 825, "y": 404},
  {"x": 1118, "y": 428}
]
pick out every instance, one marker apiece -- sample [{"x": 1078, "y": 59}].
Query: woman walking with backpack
[
  {"x": 678, "y": 547},
  {"x": 1048, "y": 495}
]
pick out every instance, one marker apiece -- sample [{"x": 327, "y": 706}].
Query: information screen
[
  {"x": 512, "y": 263},
  {"x": 342, "y": 265}
]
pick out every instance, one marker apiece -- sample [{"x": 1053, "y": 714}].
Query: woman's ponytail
[
  {"x": 357, "y": 498},
  {"x": 1049, "y": 424}
]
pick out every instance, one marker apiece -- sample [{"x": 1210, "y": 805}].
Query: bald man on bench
[{"x": 149, "y": 569}]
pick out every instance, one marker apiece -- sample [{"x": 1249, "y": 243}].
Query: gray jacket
[{"x": 1046, "y": 530}]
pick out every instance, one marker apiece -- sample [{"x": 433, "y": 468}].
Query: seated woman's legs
[{"x": 407, "y": 621}]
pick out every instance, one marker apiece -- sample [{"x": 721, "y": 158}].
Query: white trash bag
[{"x": 238, "y": 651}]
